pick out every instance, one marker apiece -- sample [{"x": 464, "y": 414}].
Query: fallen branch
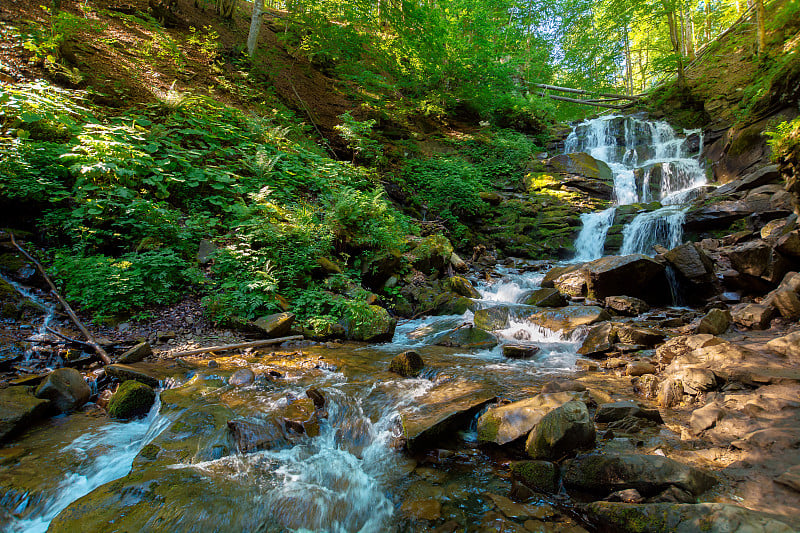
[
  {"x": 583, "y": 91},
  {"x": 68, "y": 339},
  {"x": 584, "y": 102},
  {"x": 241, "y": 345},
  {"x": 101, "y": 353}
]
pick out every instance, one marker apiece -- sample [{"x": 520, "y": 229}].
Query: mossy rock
[
  {"x": 407, "y": 364},
  {"x": 376, "y": 325},
  {"x": 432, "y": 253},
  {"x": 537, "y": 475},
  {"x": 132, "y": 399},
  {"x": 462, "y": 286}
]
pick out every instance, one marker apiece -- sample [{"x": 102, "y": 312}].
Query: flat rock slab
[
  {"x": 684, "y": 518},
  {"x": 19, "y": 408},
  {"x": 441, "y": 410},
  {"x": 603, "y": 474},
  {"x": 126, "y": 372},
  {"x": 568, "y": 319}
]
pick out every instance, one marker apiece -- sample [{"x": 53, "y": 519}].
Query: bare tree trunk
[
  {"x": 689, "y": 36},
  {"x": 761, "y": 15},
  {"x": 255, "y": 27},
  {"x": 628, "y": 62},
  {"x": 677, "y": 47},
  {"x": 708, "y": 20}
]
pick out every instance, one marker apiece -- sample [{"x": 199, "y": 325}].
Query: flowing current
[
  {"x": 350, "y": 477},
  {"x": 649, "y": 162}
]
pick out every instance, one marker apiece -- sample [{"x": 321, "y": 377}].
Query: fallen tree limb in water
[
  {"x": 239, "y": 346},
  {"x": 101, "y": 353}
]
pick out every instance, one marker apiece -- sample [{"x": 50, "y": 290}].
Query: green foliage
[
  {"x": 46, "y": 43},
  {"x": 364, "y": 220},
  {"x": 783, "y": 137},
  {"x": 358, "y": 135},
  {"x": 111, "y": 287}
]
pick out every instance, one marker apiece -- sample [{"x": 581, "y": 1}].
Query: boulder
[
  {"x": 562, "y": 431},
  {"x": 639, "y": 368},
  {"x": 569, "y": 318},
  {"x": 719, "y": 215},
  {"x": 136, "y": 354},
  {"x": 715, "y": 322},
  {"x": 612, "y": 412},
  {"x": 492, "y": 318},
  {"x": 626, "y": 305},
  {"x": 408, "y": 364},
  {"x": 786, "y": 302},
  {"x": 705, "y": 418},
  {"x": 633, "y": 275},
  {"x": 376, "y": 326},
  {"x": 694, "y": 270},
  {"x": 683, "y": 518},
  {"x": 546, "y": 298},
  {"x": 242, "y": 377},
  {"x": 758, "y": 259},
  {"x": 441, "y": 411},
  {"x": 572, "y": 283},
  {"x": 132, "y": 399},
  {"x": 753, "y": 316},
  {"x": 66, "y": 388},
  {"x": 462, "y": 286},
  {"x": 520, "y": 351},
  {"x": 602, "y": 474},
  {"x": 638, "y": 335},
  {"x": 789, "y": 244},
  {"x": 503, "y": 424},
  {"x": 581, "y": 164},
  {"x": 670, "y": 393},
  {"x": 554, "y": 273},
  {"x": 275, "y": 325},
  {"x": 126, "y": 372},
  {"x": 696, "y": 380},
  {"x": 19, "y": 409},
  {"x": 788, "y": 345},
  {"x": 537, "y": 475},
  {"x": 466, "y": 337},
  {"x": 600, "y": 340},
  {"x": 646, "y": 386}
]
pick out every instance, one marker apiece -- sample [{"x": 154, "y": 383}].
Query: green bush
[
  {"x": 365, "y": 220},
  {"x": 122, "y": 287}
]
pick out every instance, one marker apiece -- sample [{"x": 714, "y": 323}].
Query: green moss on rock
[{"x": 132, "y": 399}]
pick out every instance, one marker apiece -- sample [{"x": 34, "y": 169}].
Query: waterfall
[
  {"x": 592, "y": 238},
  {"x": 649, "y": 162}
]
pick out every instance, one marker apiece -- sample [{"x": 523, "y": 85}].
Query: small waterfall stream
[{"x": 649, "y": 162}]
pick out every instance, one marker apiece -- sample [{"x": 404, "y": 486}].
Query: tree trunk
[
  {"x": 708, "y": 20},
  {"x": 675, "y": 37},
  {"x": 761, "y": 15},
  {"x": 255, "y": 27}
]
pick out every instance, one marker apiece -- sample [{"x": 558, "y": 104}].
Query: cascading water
[
  {"x": 649, "y": 162},
  {"x": 49, "y": 315}
]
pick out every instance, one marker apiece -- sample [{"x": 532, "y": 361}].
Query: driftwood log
[
  {"x": 238, "y": 346},
  {"x": 101, "y": 353}
]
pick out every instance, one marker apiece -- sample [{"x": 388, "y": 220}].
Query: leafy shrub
[
  {"x": 113, "y": 287},
  {"x": 365, "y": 220}
]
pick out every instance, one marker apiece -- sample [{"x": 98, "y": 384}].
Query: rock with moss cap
[
  {"x": 19, "y": 408},
  {"x": 275, "y": 325},
  {"x": 466, "y": 337},
  {"x": 460, "y": 285},
  {"x": 132, "y": 399},
  {"x": 407, "y": 364},
  {"x": 546, "y": 297},
  {"x": 374, "y": 325}
]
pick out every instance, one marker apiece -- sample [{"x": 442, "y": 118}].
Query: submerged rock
[
  {"x": 602, "y": 474},
  {"x": 132, "y": 399},
  {"x": 252, "y": 434},
  {"x": 407, "y": 364},
  {"x": 561, "y": 432},
  {"x": 66, "y": 388},
  {"x": 242, "y": 377},
  {"x": 683, "y": 518},
  {"x": 19, "y": 409}
]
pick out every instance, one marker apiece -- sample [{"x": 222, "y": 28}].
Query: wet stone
[
  {"x": 242, "y": 377},
  {"x": 520, "y": 351},
  {"x": 407, "y": 364}
]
